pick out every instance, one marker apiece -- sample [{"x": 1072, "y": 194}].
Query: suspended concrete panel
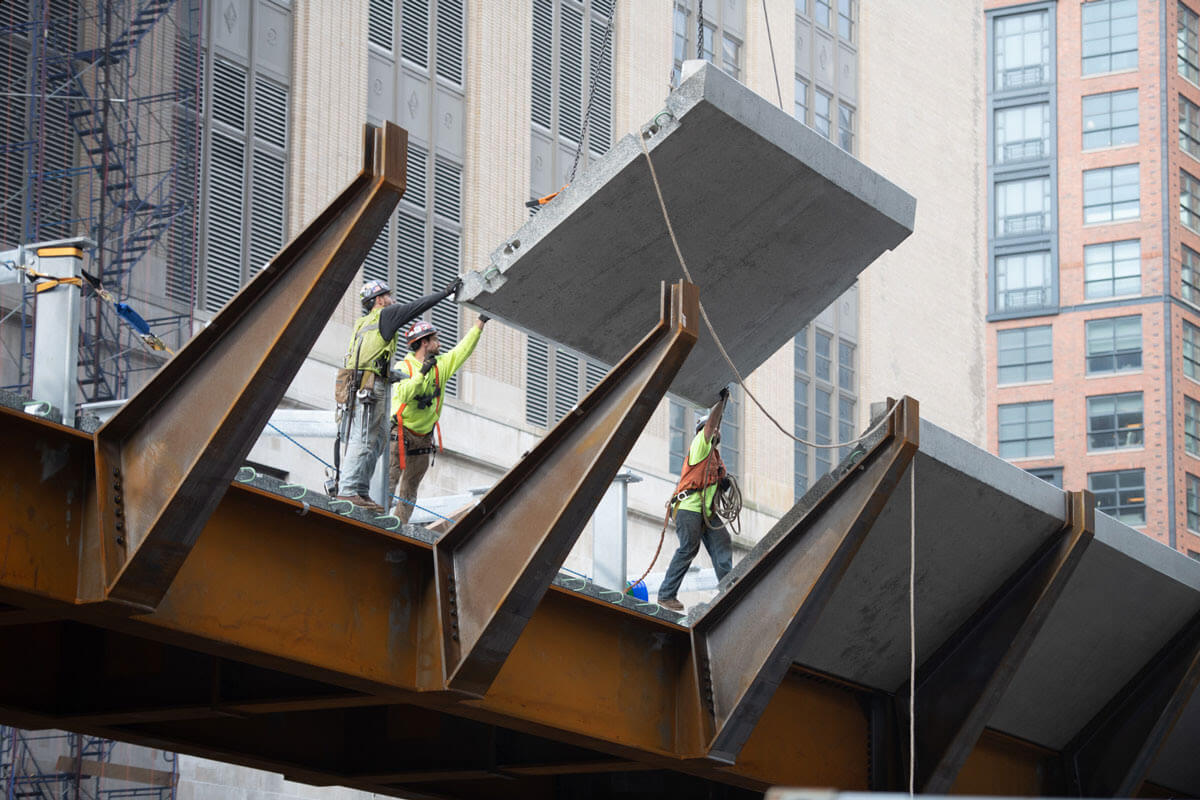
[{"x": 774, "y": 221}]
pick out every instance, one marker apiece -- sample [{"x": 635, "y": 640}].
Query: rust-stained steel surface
[
  {"x": 745, "y": 642},
  {"x": 166, "y": 458},
  {"x": 495, "y": 564}
]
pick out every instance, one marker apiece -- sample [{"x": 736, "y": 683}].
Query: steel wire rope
[
  {"x": 771, "y": 45},
  {"x": 587, "y": 110},
  {"x": 912, "y": 624},
  {"x": 717, "y": 339}
]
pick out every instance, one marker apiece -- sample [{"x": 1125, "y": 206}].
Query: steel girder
[{"x": 167, "y": 456}]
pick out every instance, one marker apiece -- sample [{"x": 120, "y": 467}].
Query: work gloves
[
  {"x": 724, "y": 394},
  {"x": 428, "y": 364},
  {"x": 483, "y": 318},
  {"x": 453, "y": 286}
]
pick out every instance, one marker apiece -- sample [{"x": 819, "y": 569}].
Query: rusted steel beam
[
  {"x": 960, "y": 686},
  {"x": 164, "y": 461},
  {"x": 326, "y": 598},
  {"x": 495, "y": 564},
  {"x": 1114, "y": 752},
  {"x": 745, "y": 642}
]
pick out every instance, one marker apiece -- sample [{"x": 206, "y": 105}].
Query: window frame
[
  {"x": 1117, "y": 490},
  {"x": 1189, "y": 201},
  {"x": 1093, "y": 287},
  {"x": 1025, "y": 423},
  {"x": 1134, "y": 434},
  {"x": 1192, "y": 502},
  {"x": 1024, "y": 349},
  {"x": 1191, "y": 426},
  {"x": 1046, "y": 288},
  {"x": 1189, "y": 267},
  {"x": 1110, "y": 187},
  {"x": 1189, "y": 127},
  {"x": 1108, "y": 116},
  {"x": 1115, "y": 353},
  {"x": 1090, "y": 8},
  {"x": 1000, "y": 75},
  {"x": 1187, "y": 42}
]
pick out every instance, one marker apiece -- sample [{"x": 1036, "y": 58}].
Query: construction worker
[
  {"x": 362, "y": 383},
  {"x": 417, "y": 403},
  {"x": 692, "y": 506}
]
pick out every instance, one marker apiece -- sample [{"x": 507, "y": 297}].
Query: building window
[
  {"x": 556, "y": 379},
  {"x": 731, "y": 431},
  {"x": 1109, "y": 36},
  {"x": 846, "y": 127},
  {"x": 1110, "y": 119},
  {"x": 846, "y": 20},
  {"x": 1189, "y": 127},
  {"x": 822, "y": 367},
  {"x": 1051, "y": 475},
  {"x": 845, "y": 363},
  {"x": 823, "y": 113},
  {"x": 1024, "y": 355},
  {"x": 1023, "y": 282},
  {"x": 823, "y": 428},
  {"x": 1111, "y": 194},
  {"x": 1115, "y": 421},
  {"x": 822, "y": 12},
  {"x": 1022, "y": 50},
  {"x": 682, "y": 427},
  {"x": 1189, "y": 201},
  {"x": 1023, "y": 207},
  {"x": 1186, "y": 44},
  {"x": 727, "y": 58},
  {"x": 801, "y": 105},
  {"x": 1190, "y": 274},
  {"x": 800, "y": 430},
  {"x": 1026, "y": 430},
  {"x": 567, "y": 51},
  {"x": 846, "y": 407},
  {"x": 1193, "y": 504},
  {"x": 1191, "y": 426},
  {"x": 1022, "y": 133},
  {"x": 1114, "y": 345},
  {"x": 1112, "y": 269},
  {"x": 1121, "y": 494},
  {"x": 1191, "y": 350}
]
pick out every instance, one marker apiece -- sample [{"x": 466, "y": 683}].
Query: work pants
[
  {"x": 690, "y": 528},
  {"x": 409, "y": 478},
  {"x": 368, "y": 435}
]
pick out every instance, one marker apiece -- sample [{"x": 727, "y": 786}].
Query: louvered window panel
[
  {"x": 181, "y": 239},
  {"x": 445, "y": 269},
  {"x": 414, "y": 192},
  {"x": 375, "y": 265},
  {"x": 13, "y": 109},
  {"x": 593, "y": 373},
  {"x": 267, "y": 193},
  {"x": 226, "y": 188},
  {"x": 570, "y": 71},
  {"x": 600, "y": 123},
  {"x": 270, "y": 112},
  {"x": 447, "y": 190},
  {"x": 537, "y": 381},
  {"x": 229, "y": 94},
  {"x": 604, "y": 7},
  {"x": 543, "y": 63},
  {"x": 566, "y": 382},
  {"x": 414, "y": 32},
  {"x": 410, "y": 256},
  {"x": 54, "y": 212},
  {"x": 380, "y": 14},
  {"x": 450, "y": 33}
]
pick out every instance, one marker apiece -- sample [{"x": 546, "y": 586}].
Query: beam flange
[
  {"x": 164, "y": 461},
  {"x": 744, "y": 644},
  {"x": 1114, "y": 752},
  {"x": 960, "y": 686},
  {"x": 493, "y": 567}
]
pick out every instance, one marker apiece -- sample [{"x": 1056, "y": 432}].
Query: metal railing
[
  {"x": 1023, "y": 77},
  {"x": 1024, "y": 224},
  {"x": 1023, "y": 299},
  {"x": 1025, "y": 150}
]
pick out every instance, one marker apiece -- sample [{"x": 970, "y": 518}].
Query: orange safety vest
[
  {"x": 437, "y": 426},
  {"x": 695, "y": 477}
]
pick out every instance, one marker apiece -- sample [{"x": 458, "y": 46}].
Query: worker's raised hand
[
  {"x": 453, "y": 286},
  {"x": 724, "y": 394},
  {"x": 483, "y": 319},
  {"x": 428, "y": 364}
]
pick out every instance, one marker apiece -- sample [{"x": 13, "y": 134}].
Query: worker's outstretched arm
[
  {"x": 397, "y": 315},
  {"x": 714, "y": 416}
]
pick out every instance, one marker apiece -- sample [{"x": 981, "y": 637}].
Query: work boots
[
  {"x": 671, "y": 603},
  {"x": 365, "y": 503}
]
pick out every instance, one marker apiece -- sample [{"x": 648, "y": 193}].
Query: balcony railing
[
  {"x": 1024, "y": 224},
  {"x": 1022, "y": 77},
  {"x": 1023, "y": 299},
  {"x": 1025, "y": 150}
]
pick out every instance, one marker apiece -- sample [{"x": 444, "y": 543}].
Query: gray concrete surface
[{"x": 774, "y": 221}]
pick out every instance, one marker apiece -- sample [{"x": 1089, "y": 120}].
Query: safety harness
[
  {"x": 696, "y": 478},
  {"x": 401, "y": 451}
]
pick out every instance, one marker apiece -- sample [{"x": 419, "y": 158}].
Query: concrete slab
[{"x": 774, "y": 221}]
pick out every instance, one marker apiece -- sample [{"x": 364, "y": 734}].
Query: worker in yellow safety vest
[
  {"x": 361, "y": 389},
  {"x": 417, "y": 404}
]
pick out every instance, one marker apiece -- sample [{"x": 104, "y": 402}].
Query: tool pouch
[
  {"x": 342, "y": 386},
  {"x": 368, "y": 382}
]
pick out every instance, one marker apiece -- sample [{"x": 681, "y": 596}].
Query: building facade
[{"x": 1093, "y": 235}]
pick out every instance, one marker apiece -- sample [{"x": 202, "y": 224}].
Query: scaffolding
[
  {"x": 100, "y": 138},
  {"x": 55, "y": 765}
]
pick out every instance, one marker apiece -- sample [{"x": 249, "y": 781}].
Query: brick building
[{"x": 1093, "y": 157}]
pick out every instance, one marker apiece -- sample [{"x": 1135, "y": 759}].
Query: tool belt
[
  {"x": 420, "y": 451},
  {"x": 344, "y": 385}
]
